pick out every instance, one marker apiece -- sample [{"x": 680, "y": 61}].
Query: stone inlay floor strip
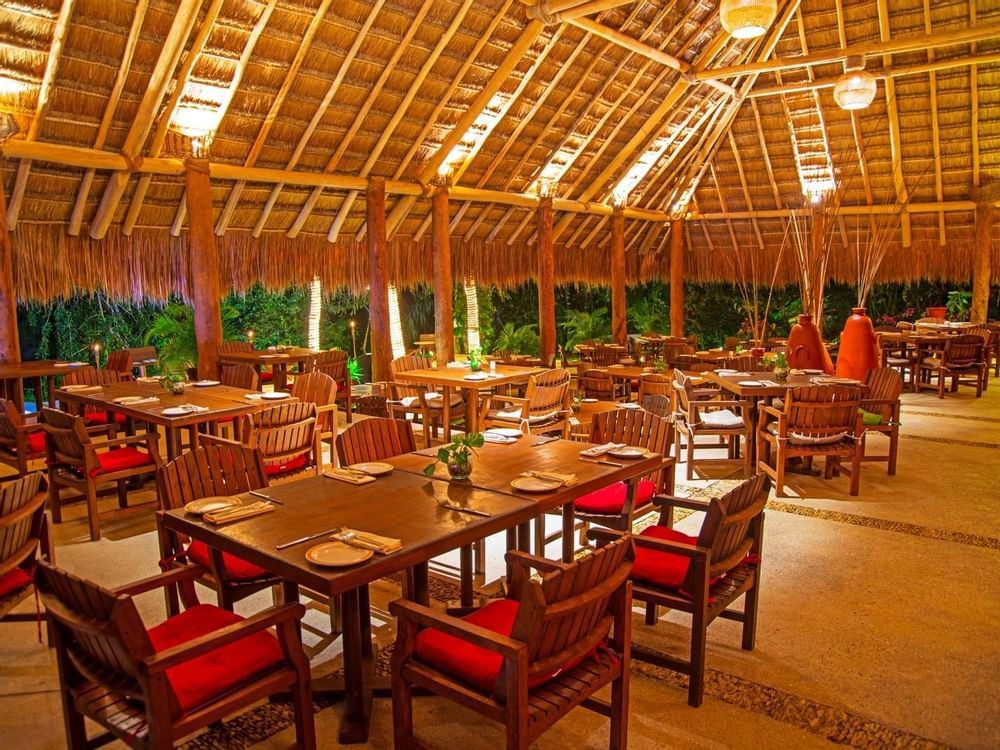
[
  {"x": 949, "y": 441},
  {"x": 943, "y": 415}
]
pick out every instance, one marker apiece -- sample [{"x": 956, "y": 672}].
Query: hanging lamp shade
[
  {"x": 745, "y": 19},
  {"x": 855, "y": 89}
]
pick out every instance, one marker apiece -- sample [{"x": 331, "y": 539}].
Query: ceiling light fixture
[
  {"x": 746, "y": 19},
  {"x": 855, "y": 89}
]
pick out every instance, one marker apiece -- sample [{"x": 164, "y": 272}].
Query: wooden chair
[
  {"x": 652, "y": 384},
  {"x": 21, "y": 442},
  {"x": 897, "y": 355},
  {"x": 418, "y": 401},
  {"x": 962, "y": 356},
  {"x": 373, "y": 405},
  {"x": 880, "y": 412},
  {"x": 96, "y": 376},
  {"x": 699, "y": 413},
  {"x": 599, "y": 384},
  {"x": 703, "y": 575},
  {"x": 208, "y": 471},
  {"x": 744, "y": 362},
  {"x": 285, "y": 434},
  {"x": 817, "y": 421},
  {"x": 120, "y": 361},
  {"x": 603, "y": 356},
  {"x": 24, "y": 538},
  {"x": 374, "y": 439},
  {"x": 569, "y": 636},
  {"x": 993, "y": 349},
  {"x": 544, "y": 408},
  {"x": 234, "y": 347},
  {"x": 320, "y": 389},
  {"x": 150, "y": 688},
  {"x": 143, "y": 355},
  {"x": 334, "y": 364},
  {"x": 76, "y": 462},
  {"x": 659, "y": 405},
  {"x": 239, "y": 376}
]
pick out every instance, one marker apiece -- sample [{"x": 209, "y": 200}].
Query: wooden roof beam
[
  {"x": 935, "y": 130},
  {"x": 41, "y": 108},
  {"x": 895, "y": 143},
  {"x": 858, "y": 210},
  {"x": 156, "y": 89},
  {"x": 886, "y": 47},
  {"x": 974, "y": 106},
  {"x": 589, "y": 8},
  {"x": 744, "y": 186}
]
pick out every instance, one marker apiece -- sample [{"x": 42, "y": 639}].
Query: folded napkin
[
  {"x": 458, "y": 365},
  {"x": 492, "y": 437},
  {"x": 550, "y": 476},
  {"x": 136, "y": 400},
  {"x": 381, "y": 544},
  {"x": 238, "y": 512},
  {"x": 147, "y": 380},
  {"x": 600, "y": 450},
  {"x": 253, "y": 396},
  {"x": 796, "y": 371},
  {"x": 191, "y": 408},
  {"x": 351, "y": 477},
  {"x": 80, "y": 388}
]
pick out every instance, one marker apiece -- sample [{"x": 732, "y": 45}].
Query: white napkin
[
  {"x": 600, "y": 450},
  {"x": 458, "y": 365}
]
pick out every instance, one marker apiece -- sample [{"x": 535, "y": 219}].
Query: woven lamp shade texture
[
  {"x": 745, "y": 19},
  {"x": 855, "y": 90}
]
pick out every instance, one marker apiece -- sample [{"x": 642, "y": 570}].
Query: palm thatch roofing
[{"x": 317, "y": 96}]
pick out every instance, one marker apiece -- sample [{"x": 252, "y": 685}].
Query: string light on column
[
  {"x": 471, "y": 313},
  {"x": 315, "y": 312},
  {"x": 395, "y": 325}
]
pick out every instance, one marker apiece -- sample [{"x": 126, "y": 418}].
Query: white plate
[
  {"x": 476, "y": 376},
  {"x": 210, "y": 504},
  {"x": 628, "y": 451},
  {"x": 492, "y": 437},
  {"x": 511, "y": 432},
  {"x": 726, "y": 372},
  {"x": 531, "y": 484},
  {"x": 275, "y": 395},
  {"x": 629, "y": 405},
  {"x": 373, "y": 468},
  {"x": 750, "y": 383},
  {"x": 176, "y": 411},
  {"x": 589, "y": 401},
  {"x": 337, "y": 554},
  {"x": 205, "y": 383}
]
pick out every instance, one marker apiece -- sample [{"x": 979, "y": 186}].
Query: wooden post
[
  {"x": 985, "y": 214},
  {"x": 378, "y": 282},
  {"x": 619, "y": 320},
  {"x": 546, "y": 284},
  {"x": 677, "y": 277},
  {"x": 10, "y": 346},
  {"x": 203, "y": 266},
  {"x": 444, "y": 324}
]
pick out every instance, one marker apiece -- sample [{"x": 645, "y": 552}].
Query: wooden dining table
[
  {"x": 446, "y": 379},
  {"x": 404, "y": 505},
  {"x": 914, "y": 346},
  {"x": 13, "y": 375},
  {"x": 278, "y": 360}
]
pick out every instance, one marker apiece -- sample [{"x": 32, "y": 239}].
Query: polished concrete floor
[{"x": 879, "y": 617}]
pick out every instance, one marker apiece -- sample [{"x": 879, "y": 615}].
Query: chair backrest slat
[
  {"x": 67, "y": 435},
  {"x": 91, "y": 376},
  {"x": 728, "y": 525},
  {"x": 884, "y": 384},
  {"x": 547, "y": 391},
  {"x": 234, "y": 347},
  {"x": 22, "y": 504},
  {"x": 317, "y": 388},
  {"x": 819, "y": 410},
  {"x": 332, "y": 363},
  {"x": 963, "y": 351},
  {"x": 207, "y": 471},
  {"x": 284, "y": 431},
  {"x": 240, "y": 376},
  {"x": 374, "y": 439}
]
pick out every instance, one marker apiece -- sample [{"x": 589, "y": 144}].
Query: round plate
[
  {"x": 726, "y": 372},
  {"x": 511, "y": 432},
  {"x": 531, "y": 484},
  {"x": 589, "y": 401},
  {"x": 629, "y": 405},
  {"x": 275, "y": 395},
  {"x": 337, "y": 554},
  {"x": 373, "y": 468},
  {"x": 206, "y": 383},
  {"x": 492, "y": 437},
  {"x": 209, "y": 504},
  {"x": 628, "y": 451},
  {"x": 176, "y": 411},
  {"x": 476, "y": 376},
  {"x": 749, "y": 383}
]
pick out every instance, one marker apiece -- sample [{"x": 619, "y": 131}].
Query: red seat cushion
[
  {"x": 36, "y": 442},
  {"x": 13, "y": 581},
  {"x": 610, "y": 500},
  {"x": 121, "y": 459},
  {"x": 662, "y": 568},
  {"x": 238, "y": 569},
  {"x": 201, "y": 679},
  {"x": 299, "y": 462},
  {"x": 266, "y": 376},
  {"x": 101, "y": 417},
  {"x": 474, "y": 664}
]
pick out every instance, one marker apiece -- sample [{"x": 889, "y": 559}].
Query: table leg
[
  {"x": 173, "y": 442},
  {"x": 419, "y": 592},
  {"x": 356, "y": 714},
  {"x": 280, "y": 370},
  {"x": 445, "y": 414},
  {"x": 465, "y": 566},
  {"x": 472, "y": 410},
  {"x": 524, "y": 536},
  {"x": 511, "y": 544},
  {"x": 568, "y": 524}
]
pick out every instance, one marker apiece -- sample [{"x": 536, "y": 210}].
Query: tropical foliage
[
  {"x": 585, "y": 325},
  {"x": 519, "y": 339}
]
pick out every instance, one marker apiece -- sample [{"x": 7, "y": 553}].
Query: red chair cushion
[
  {"x": 13, "y": 581},
  {"x": 610, "y": 500},
  {"x": 474, "y": 664},
  {"x": 101, "y": 417},
  {"x": 237, "y": 569},
  {"x": 266, "y": 376},
  {"x": 299, "y": 462},
  {"x": 203, "y": 678},
  {"x": 36, "y": 442},
  {"x": 121, "y": 459}
]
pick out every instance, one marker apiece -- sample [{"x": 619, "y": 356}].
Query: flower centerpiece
[
  {"x": 173, "y": 381},
  {"x": 457, "y": 456},
  {"x": 779, "y": 362},
  {"x": 475, "y": 359}
]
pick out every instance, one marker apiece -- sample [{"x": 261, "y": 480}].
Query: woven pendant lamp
[
  {"x": 855, "y": 89},
  {"x": 746, "y": 19}
]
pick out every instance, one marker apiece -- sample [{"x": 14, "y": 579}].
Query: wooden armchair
[
  {"x": 21, "y": 442},
  {"x": 654, "y": 384},
  {"x": 239, "y": 376},
  {"x": 658, "y": 405},
  {"x": 96, "y": 376},
  {"x": 374, "y": 439},
  {"x": 285, "y": 434},
  {"x": 150, "y": 688},
  {"x": 76, "y": 462},
  {"x": 604, "y": 356},
  {"x": 544, "y": 408},
  {"x": 527, "y": 660},
  {"x": 599, "y": 384},
  {"x": 816, "y": 421},
  {"x": 702, "y": 575},
  {"x": 320, "y": 389},
  {"x": 744, "y": 362},
  {"x": 334, "y": 364},
  {"x": 206, "y": 472},
  {"x": 880, "y": 412},
  {"x": 24, "y": 538},
  {"x": 120, "y": 361},
  {"x": 700, "y": 413},
  {"x": 962, "y": 356},
  {"x": 418, "y": 401}
]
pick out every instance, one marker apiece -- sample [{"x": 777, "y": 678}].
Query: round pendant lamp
[
  {"x": 746, "y": 19},
  {"x": 855, "y": 89}
]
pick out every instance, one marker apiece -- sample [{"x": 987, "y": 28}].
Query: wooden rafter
[
  {"x": 762, "y": 141},
  {"x": 935, "y": 130},
  {"x": 744, "y": 186},
  {"x": 974, "y": 105},
  {"x": 722, "y": 205},
  {"x": 41, "y": 107},
  {"x": 892, "y": 112}
]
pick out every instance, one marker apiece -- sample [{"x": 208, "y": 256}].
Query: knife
[
  {"x": 300, "y": 540},
  {"x": 265, "y": 497},
  {"x": 473, "y": 511},
  {"x": 602, "y": 461}
]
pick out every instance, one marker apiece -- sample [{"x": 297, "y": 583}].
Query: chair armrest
[
  {"x": 102, "y": 429},
  {"x": 133, "y": 440},
  {"x": 672, "y": 501},
  {"x": 326, "y": 408},
  {"x": 175, "y": 575},
  {"x": 770, "y": 410},
  {"x": 878, "y": 402},
  {"x": 674, "y": 548},
  {"x": 217, "y": 440},
  {"x": 508, "y": 399},
  {"x": 171, "y": 657},
  {"x": 466, "y": 631},
  {"x": 30, "y": 427},
  {"x": 518, "y": 557}
]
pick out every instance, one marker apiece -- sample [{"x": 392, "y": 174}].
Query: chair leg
[
  {"x": 122, "y": 493},
  {"x": 92, "y": 519},
  {"x": 540, "y": 535},
  {"x": 750, "y": 615},
  {"x": 690, "y": 456},
  {"x": 696, "y": 684},
  {"x": 619, "y": 710},
  {"x": 402, "y": 712},
  {"x": 651, "y": 613},
  {"x": 856, "y": 471},
  {"x": 779, "y": 471},
  {"x": 305, "y": 725},
  {"x": 893, "y": 450}
]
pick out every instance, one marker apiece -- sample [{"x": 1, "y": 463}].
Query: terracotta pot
[
  {"x": 757, "y": 351},
  {"x": 858, "y": 346},
  {"x": 806, "y": 349},
  {"x": 937, "y": 312}
]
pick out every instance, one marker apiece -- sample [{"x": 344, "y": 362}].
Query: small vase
[
  {"x": 177, "y": 388},
  {"x": 937, "y": 312},
  {"x": 781, "y": 374},
  {"x": 459, "y": 472},
  {"x": 805, "y": 347},
  {"x": 858, "y": 347}
]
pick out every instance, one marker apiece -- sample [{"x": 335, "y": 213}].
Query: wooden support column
[
  {"x": 203, "y": 265},
  {"x": 444, "y": 324},
  {"x": 378, "y": 281},
  {"x": 981, "y": 270},
  {"x": 677, "y": 277},
  {"x": 619, "y": 321},
  {"x": 546, "y": 284},
  {"x": 10, "y": 346}
]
